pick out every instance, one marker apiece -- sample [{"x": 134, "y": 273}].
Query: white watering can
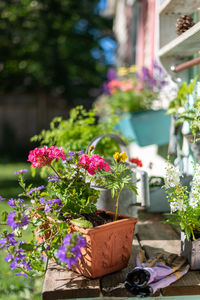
[{"x": 127, "y": 199}]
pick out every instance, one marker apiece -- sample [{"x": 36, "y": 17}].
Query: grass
[{"x": 15, "y": 287}]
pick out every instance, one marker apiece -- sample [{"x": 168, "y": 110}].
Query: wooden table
[{"x": 153, "y": 237}]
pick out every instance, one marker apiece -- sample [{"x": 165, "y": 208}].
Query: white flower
[
  {"x": 173, "y": 206},
  {"x": 193, "y": 202},
  {"x": 181, "y": 206},
  {"x": 172, "y": 178}
]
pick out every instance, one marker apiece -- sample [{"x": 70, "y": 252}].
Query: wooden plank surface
[
  {"x": 61, "y": 283},
  {"x": 155, "y": 236}
]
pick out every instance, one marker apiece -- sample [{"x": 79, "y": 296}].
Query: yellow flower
[
  {"x": 117, "y": 157},
  {"x": 120, "y": 156},
  {"x": 91, "y": 148},
  {"x": 133, "y": 69},
  {"x": 122, "y": 71},
  {"x": 123, "y": 156}
]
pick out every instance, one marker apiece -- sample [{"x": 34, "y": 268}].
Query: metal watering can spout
[{"x": 128, "y": 203}]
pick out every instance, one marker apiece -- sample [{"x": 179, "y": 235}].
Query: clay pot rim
[{"x": 107, "y": 225}]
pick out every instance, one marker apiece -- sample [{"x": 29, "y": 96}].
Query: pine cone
[{"x": 183, "y": 24}]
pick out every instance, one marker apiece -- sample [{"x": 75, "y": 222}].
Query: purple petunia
[
  {"x": 39, "y": 188},
  {"x": 2, "y": 199},
  {"x": 70, "y": 250},
  {"x": 21, "y": 171},
  {"x": 17, "y": 220}
]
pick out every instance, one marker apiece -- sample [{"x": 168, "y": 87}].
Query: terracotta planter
[{"x": 108, "y": 247}]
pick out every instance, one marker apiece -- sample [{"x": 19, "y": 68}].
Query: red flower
[{"x": 136, "y": 161}]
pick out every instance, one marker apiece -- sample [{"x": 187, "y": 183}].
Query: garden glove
[{"x": 146, "y": 278}]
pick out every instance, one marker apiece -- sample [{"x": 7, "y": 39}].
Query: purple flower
[
  {"x": 54, "y": 203},
  {"x": 21, "y": 274},
  {"x": 3, "y": 242},
  {"x": 21, "y": 171},
  {"x": 70, "y": 153},
  {"x": 53, "y": 178},
  {"x": 70, "y": 250},
  {"x": 80, "y": 152},
  {"x": 20, "y": 264},
  {"x": 39, "y": 188},
  {"x": 15, "y": 220},
  {"x": 19, "y": 254},
  {"x": 105, "y": 88},
  {"x": 111, "y": 74},
  {"x": 1, "y": 198},
  {"x": 8, "y": 257},
  {"x": 8, "y": 241},
  {"x": 16, "y": 202},
  {"x": 13, "y": 265}
]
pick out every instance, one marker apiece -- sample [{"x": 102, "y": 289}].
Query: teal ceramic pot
[{"x": 146, "y": 127}]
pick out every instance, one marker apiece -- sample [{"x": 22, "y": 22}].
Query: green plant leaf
[
  {"x": 82, "y": 223},
  {"x": 4, "y": 216}
]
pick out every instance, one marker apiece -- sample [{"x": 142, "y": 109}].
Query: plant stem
[
  {"x": 117, "y": 204},
  {"x": 55, "y": 171}
]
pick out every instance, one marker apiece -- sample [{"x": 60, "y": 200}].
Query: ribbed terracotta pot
[{"x": 108, "y": 247}]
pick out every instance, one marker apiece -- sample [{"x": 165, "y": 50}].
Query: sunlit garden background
[
  {"x": 52, "y": 58},
  {"x": 73, "y": 70}
]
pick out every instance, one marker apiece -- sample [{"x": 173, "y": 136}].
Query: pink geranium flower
[
  {"x": 93, "y": 163},
  {"x": 41, "y": 157}
]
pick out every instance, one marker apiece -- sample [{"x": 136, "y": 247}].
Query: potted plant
[
  {"x": 63, "y": 217},
  {"x": 185, "y": 211},
  {"x": 133, "y": 97},
  {"x": 187, "y": 110}
]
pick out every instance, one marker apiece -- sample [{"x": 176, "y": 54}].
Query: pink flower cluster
[
  {"x": 41, "y": 157},
  {"x": 93, "y": 163}
]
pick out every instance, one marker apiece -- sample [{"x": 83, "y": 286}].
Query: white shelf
[
  {"x": 187, "y": 44},
  {"x": 179, "y": 6}
]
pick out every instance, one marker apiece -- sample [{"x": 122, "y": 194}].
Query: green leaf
[
  {"x": 4, "y": 216},
  {"x": 82, "y": 223},
  {"x": 27, "y": 247},
  {"x": 187, "y": 232},
  {"x": 40, "y": 212},
  {"x": 182, "y": 225}
]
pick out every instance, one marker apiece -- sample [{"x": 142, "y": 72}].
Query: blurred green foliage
[
  {"x": 78, "y": 131},
  {"x": 47, "y": 45}
]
